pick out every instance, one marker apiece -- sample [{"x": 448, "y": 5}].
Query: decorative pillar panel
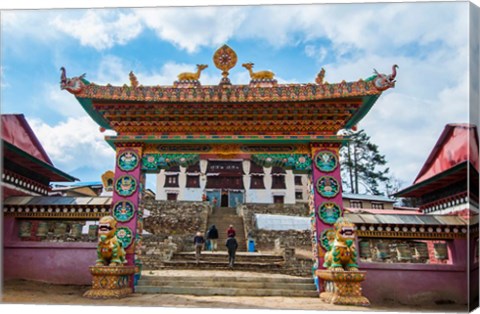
[
  {"x": 327, "y": 194},
  {"x": 128, "y": 186}
]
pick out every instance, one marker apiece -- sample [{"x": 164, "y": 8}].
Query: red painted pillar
[
  {"x": 128, "y": 186},
  {"x": 327, "y": 193}
]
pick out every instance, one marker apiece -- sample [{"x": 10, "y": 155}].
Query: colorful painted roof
[{"x": 254, "y": 111}]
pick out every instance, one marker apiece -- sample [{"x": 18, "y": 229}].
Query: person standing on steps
[
  {"x": 231, "y": 232},
  {"x": 198, "y": 241},
  {"x": 212, "y": 235},
  {"x": 232, "y": 246}
]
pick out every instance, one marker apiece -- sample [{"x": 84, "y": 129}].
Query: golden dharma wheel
[{"x": 225, "y": 59}]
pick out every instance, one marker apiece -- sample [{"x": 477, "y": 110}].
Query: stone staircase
[
  {"x": 207, "y": 283},
  {"x": 222, "y": 217},
  {"x": 245, "y": 261}
]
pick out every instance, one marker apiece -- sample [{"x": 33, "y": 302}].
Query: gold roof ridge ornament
[
  {"x": 260, "y": 78},
  {"x": 225, "y": 59},
  {"x": 190, "y": 79}
]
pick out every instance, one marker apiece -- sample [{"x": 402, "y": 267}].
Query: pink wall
[
  {"x": 419, "y": 283},
  {"x": 59, "y": 263}
]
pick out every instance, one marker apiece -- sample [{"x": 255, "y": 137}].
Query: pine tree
[{"x": 363, "y": 167}]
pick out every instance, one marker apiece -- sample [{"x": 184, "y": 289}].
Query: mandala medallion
[
  {"x": 329, "y": 212},
  {"x": 123, "y": 211},
  {"x": 126, "y": 186},
  {"x": 225, "y": 59},
  {"x": 125, "y": 235},
  {"x": 326, "y": 238},
  {"x": 327, "y": 186},
  {"x": 326, "y": 161},
  {"x": 127, "y": 161}
]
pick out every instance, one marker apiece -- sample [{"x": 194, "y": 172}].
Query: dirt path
[{"x": 28, "y": 292}]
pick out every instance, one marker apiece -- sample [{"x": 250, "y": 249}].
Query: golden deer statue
[
  {"x": 189, "y": 76},
  {"x": 260, "y": 75}
]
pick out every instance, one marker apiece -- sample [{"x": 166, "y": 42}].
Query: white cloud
[
  {"x": 191, "y": 28},
  {"x": 100, "y": 29},
  {"x": 75, "y": 143}
]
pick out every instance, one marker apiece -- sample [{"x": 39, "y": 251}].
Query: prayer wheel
[
  {"x": 93, "y": 232},
  {"x": 421, "y": 250},
  {"x": 383, "y": 250},
  {"x": 60, "y": 229},
  {"x": 404, "y": 253},
  {"x": 365, "y": 250},
  {"x": 42, "y": 229},
  {"x": 25, "y": 229},
  {"x": 76, "y": 230},
  {"x": 440, "y": 250}
]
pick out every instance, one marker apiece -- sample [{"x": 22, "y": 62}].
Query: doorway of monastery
[{"x": 214, "y": 139}]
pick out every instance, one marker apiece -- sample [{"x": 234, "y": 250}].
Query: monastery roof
[
  {"x": 259, "y": 110},
  {"x": 17, "y": 131},
  {"x": 23, "y": 147},
  {"x": 378, "y": 198},
  {"x": 57, "y": 206},
  {"x": 456, "y": 144},
  {"x": 451, "y": 160}
]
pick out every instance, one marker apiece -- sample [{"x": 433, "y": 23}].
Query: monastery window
[
  {"x": 299, "y": 195},
  {"x": 256, "y": 182},
  {"x": 172, "y": 196},
  {"x": 356, "y": 204},
  {"x": 298, "y": 180},
  {"x": 377, "y": 205},
  {"x": 256, "y": 169},
  {"x": 278, "y": 199},
  {"x": 278, "y": 182},
  {"x": 193, "y": 181},
  {"x": 171, "y": 181},
  {"x": 225, "y": 182}
]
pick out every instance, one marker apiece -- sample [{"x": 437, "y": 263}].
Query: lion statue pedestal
[
  {"x": 110, "y": 282},
  {"x": 342, "y": 287},
  {"x": 110, "y": 278}
]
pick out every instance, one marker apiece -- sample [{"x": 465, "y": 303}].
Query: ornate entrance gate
[{"x": 293, "y": 126}]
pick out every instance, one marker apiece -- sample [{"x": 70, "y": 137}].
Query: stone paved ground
[{"x": 28, "y": 292}]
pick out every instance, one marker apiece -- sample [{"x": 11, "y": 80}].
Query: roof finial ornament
[
  {"x": 133, "y": 80},
  {"x": 74, "y": 85},
  {"x": 225, "y": 59},
  {"x": 382, "y": 81},
  {"x": 320, "y": 77}
]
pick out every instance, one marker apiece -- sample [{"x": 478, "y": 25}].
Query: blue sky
[{"x": 429, "y": 42}]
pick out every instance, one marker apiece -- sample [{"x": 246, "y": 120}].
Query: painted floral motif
[
  {"x": 326, "y": 238},
  {"x": 327, "y": 186},
  {"x": 127, "y": 161},
  {"x": 329, "y": 212},
  {"x": 124, "y": 235},
  {"x": 155, "y": 162},
  {"x": 123, "y": 211},
  {"x": 126, "y": 186},
  {"x": 326, "y": 161},
  {"x": 297, "y": 162}
]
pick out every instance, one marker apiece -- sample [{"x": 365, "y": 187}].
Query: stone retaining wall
[{"x": 178, "y": 220}]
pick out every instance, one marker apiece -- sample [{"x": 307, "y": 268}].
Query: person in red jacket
[{"x": 231, "y": 232}]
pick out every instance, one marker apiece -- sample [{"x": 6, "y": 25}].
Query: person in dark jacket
[
  {"x": 212, "y": 235},
  {"x": 198, "y": 241},
  {"x": 232, "y": 246}
]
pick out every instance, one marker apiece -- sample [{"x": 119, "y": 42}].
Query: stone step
[
  {"x": 212, "y": 283},
  {"x": 221, "y": 256},
  {"x": 232, "y": 278},
  {"x": 223, "y": 264},
  {"x": 201, "y": 291}
]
